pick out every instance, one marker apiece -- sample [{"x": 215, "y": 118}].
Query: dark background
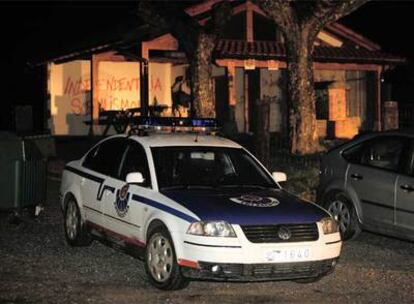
[{"x": 33, "y": 31}]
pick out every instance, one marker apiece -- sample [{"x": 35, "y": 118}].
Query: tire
[
  {"x": 345, "y": 214},
  {"x": 75, "y": 232},
  {"x": 161, "y": 262}
]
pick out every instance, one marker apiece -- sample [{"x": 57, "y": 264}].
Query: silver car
[{"x": 368, "y": 183}]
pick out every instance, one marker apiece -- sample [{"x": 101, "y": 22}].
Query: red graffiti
[
  {"x": 155, "y": 84},
  {"x": 115, "y": 103}
]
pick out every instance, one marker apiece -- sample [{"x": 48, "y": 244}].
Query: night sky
[{"x": 31, "y": 31}]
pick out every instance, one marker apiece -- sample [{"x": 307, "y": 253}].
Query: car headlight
[
  {"x": 329, "y": 225},
  {"x": 217, "y": 229}
]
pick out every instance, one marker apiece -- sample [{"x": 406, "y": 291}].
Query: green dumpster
[{"x": 22, "y": 173}]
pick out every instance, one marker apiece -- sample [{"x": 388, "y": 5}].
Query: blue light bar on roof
[{"x": 173, "y": 124}]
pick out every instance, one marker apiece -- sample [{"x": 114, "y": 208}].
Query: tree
[
  {"x": 300, "y": 22},
  {"x": 196, "y": 40}
]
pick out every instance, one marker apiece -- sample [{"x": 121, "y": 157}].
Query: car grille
[
  {"x": 270, "y": 233},
  {"x": 262, "y": 272}
]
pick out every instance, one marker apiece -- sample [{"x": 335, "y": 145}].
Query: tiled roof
[{"x": 241, "y": 49}]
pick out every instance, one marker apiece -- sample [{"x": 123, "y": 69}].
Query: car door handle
[
  {"x": 356, "y": 176},
  {"x": 407, "y": 188}
]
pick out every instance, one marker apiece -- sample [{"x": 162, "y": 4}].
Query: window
[
  {"x": 207, "y": 167},
  {"x": 106, "y": 157},
  {"x": 354, "y": 154},
  {"x": 384, "y": 153},
  {"x": 136, "y": 161}
]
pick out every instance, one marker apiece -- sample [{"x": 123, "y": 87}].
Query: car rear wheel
[
  {"x": 161, "y": 263},
  {"x": 75, "y": 232},
  {"x": 345, "y": 215}
]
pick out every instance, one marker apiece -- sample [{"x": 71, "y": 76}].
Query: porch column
[
  {"x": 231, "y": 75},
  {"x": 378, "y": 103},
  {"x": 94, "y": 100}
]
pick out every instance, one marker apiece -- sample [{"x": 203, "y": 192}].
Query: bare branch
[
  {"x": 282, "y": 13},
  {"x": 327, "y": 11}
]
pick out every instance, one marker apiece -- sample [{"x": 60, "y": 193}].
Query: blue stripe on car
[
  {"x": 135, "y": 197},
  {"x": 163, "y": 207}
]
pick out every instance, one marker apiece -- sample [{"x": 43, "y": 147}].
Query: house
[{"x": 249, "y": 65}]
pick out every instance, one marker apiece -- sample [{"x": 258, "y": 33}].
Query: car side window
[
  {"x": 136, "y": 161},
  {"x": 384, "y": 153},
  {"x": 106, "y": 157},
  {"x": 354, "y": 154}
]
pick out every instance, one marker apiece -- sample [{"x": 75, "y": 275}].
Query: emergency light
[{"x": 173, "y": 124}]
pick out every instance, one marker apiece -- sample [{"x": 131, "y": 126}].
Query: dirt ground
[{"x": 37, "y": 266}]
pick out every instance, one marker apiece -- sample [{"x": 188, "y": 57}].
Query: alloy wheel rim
[
  {"x": 340, "y": 212},
  {"x": 71, "y": 220},
  {"x": 160, "y": 258}
]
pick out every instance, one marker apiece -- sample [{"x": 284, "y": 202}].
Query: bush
[{"x": 302, "y": 172}]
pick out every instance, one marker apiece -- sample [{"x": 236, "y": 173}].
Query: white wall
[{"x": 69, "y": 89}]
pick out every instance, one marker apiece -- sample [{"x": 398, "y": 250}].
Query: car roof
[
  {"x": 183, "y": 139},
  {"x": 361, "y": 137}
]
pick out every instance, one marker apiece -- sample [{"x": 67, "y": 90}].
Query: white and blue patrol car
[{"x": 195, "y": 206}]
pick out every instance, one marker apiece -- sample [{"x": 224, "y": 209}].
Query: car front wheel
[
  {"x": 160, "y": 262},
  {"x": 75, "y": 232},
  {"x": 345, "y": 215}
]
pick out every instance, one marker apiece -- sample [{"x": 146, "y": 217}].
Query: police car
[{"x": 195, "y": 206}]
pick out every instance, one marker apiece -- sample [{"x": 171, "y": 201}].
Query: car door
[
  {"x": 124, "y": 214},
  {"x": 102, "y": 164},
  {"x": 373, "y": 178},
  {"x": 404, "y": 211}
]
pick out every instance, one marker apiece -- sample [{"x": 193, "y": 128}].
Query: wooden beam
[
  {"x": 201, "y": 8},
  {"x": 94, "y": 94},
  {"x": 249, "y": 23},
  {"x": 316, "y": 65},
  {"x": 345, "y": 66},
  {"x": 246, "y": 102},
  {"x": 240, "y": 63}
]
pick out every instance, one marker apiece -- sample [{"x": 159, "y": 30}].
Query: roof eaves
[{"x": 355, "y": 37}]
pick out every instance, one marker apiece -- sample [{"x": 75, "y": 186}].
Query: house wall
[
  {"x": 346, "y": 100},
  {"x": 69, "y": 102},
  {"x": 116, "y": 87}
]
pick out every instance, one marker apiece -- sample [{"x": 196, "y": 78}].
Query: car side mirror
[
  {"x": 135, "y": 178},
  {"x": 279, "y": 176}
]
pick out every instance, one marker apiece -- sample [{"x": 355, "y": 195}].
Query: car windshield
[{"x": 205, "y": 167}]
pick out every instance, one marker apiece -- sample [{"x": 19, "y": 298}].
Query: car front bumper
[
  {"x": 260, "y": 272},
  {"x": 238, "y": 259}
]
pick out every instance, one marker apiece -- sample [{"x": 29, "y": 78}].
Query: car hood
[{"x": 247, "y": 206}]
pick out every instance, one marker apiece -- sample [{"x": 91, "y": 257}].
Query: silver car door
[
  {"x": 374, "y": 178},
  {"x": 404, "y": 213}
]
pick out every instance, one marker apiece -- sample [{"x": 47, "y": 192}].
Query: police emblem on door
[{"x": 121, "y": 202}]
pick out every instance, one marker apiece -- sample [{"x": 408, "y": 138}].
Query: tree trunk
[
  {"x": 302, "y": 113},
  {"x": 201, "y": 76}
]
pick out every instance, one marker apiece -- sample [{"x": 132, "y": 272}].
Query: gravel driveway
[{"x": 37, "y": 266}]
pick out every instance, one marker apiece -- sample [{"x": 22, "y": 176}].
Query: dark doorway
[
  {"x": 221, "y": 92},
  {"x": 253, "y": 78}
]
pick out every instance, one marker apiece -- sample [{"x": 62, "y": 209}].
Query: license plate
[{"x": 287, "y": 254}]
